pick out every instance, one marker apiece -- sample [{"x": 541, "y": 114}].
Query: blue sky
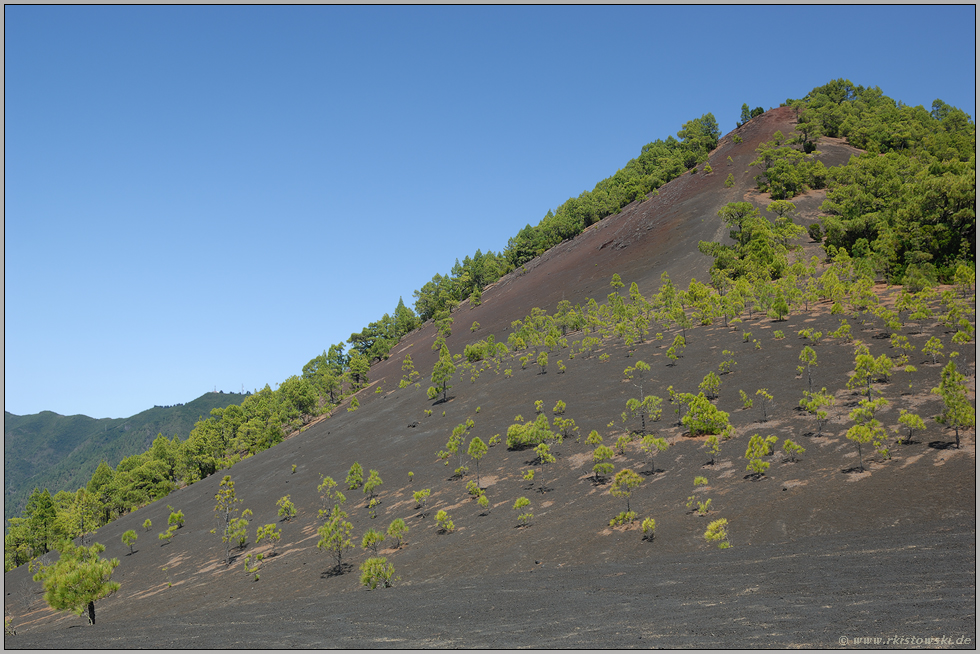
[{"x": 208, "y": 197}]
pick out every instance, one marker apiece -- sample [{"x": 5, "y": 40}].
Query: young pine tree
[
  {"x": 129, "y": 538},
  {"x": 78, "y": 579}
]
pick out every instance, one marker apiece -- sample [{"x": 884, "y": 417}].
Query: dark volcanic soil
[
  {"x": 820, "y": 549},
  {"x": 884, "y": 583}
]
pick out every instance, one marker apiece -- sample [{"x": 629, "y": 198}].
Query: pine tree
[
  {"x": 397, "y": 530},
  {"x": 226, "y": 512},
  {"x": 442, "y": 373},
  {"x": 78, "y": 579},
  {"x": 957, "y": 413},
  {"x": 624, "y": 483},
  {"x": 355, "y": 476},
  {"x": 335, "y": 536},
  {"x": 476, "y": 451},
  {"x": 129, "y": 538}
]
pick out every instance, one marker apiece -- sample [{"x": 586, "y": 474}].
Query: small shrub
[
  {"x": 717, "y": 532},
  {"x": 175, "y": 517},
  {"x": 445, "y": 522},
  {"x": 147, "y": 525},
  {"x": 355, "y": 476},
  {"x": 624, "y": 518},
  {"x": 252, "y": 562},
  {"x": 376, "y": 571},
  {"x": 524, "y": 514},
  {"x": 649, "y": 528},
  {"x": 757, "y": 449},
  {"x": 270, "y": 533},
  {"x": 169, "y": 534},
  {"x": 778, "y": 335},
  {"x": 710, "y": 385},
  {"x": 766, "y": 401},
  {"x": 287, "y": 510},
  {"x": 792, "y": 449}
]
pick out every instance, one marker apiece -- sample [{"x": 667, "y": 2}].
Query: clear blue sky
[{"x": 208, "y": 197}]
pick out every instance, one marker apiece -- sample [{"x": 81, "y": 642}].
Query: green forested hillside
[{"x": 48, "y": 450}]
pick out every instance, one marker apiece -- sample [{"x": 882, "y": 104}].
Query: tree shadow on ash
[
  {"x": 337, "y": 570},
  {"x": 853, "y": 470},
  {"x": 650, "y": 473},
  {"x": 943, "y": 445}
]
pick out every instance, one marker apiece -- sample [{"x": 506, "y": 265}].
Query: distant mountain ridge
[{"x": 48, "y": 450}]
